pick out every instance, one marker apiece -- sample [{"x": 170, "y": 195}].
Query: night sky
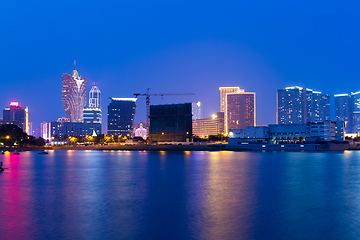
[{"x": 176, "y": 47}]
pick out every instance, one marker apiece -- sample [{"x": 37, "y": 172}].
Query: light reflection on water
[{"x": 180, "y": 195}]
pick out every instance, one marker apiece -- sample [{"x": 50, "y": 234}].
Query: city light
[{"x": 14, "y": 104}]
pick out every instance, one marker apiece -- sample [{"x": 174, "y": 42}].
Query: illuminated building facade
[
  {"x": 92, "y": 115},
  {"x": 45, "y": 131},
  {"x": 290, "y": 133},
  {"x": 16, "y": 115},
  {"x": 355, "y": 112},
  {"x": 240, "y": 110},
  {"x": 296, "y": 105},
  {"x": 197, "y": 110},
  {"x": 343, "y": 111},
  {"x": 223, "y": 101},
  {"x": 58, "y": 130},
  {"x": 74, "y": 95},
  {"x": 347, "y": 109},
  {"x": 140, "y": 131},
  {"x": 170, "y": 123},
  {"x": 213, "y": 125},
  {"x": 121, "y": 114},
  {"x": 95, "y": 97}
]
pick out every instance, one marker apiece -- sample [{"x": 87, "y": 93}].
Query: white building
[
  {"x": 196, "y": 110},
  {"x": 290, "y": 133}
]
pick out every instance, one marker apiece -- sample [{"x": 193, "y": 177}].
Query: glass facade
[
  {"x": 74, "y": 95},
  {"x": 296, "y": 105},
  {"x": 196, "y": 110},
  {"x": 16, "y": 115},
  {"x": 343, "y": 110},
  {"x": 240, "y": 110},
  {"x": 170, "y": 123},
  {"x": 92, "y": 115},
  {"x": 121, "y": 114},
  {"x": 223, "y": 101},
  {"x": 213, "y": 125}
]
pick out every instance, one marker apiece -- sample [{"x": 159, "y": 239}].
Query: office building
[
  {"x": 223, "y": 101},
  {"x": 197, "y": 110},
  {"x": 16, "y": 115},
  {"x": 290, "y": 133},
  {"x": 92, "y": 115},
  {"x": 240, "y": 110},
  {"x": 355, "y": 112},
  {"x": 95, "y": 97},
  {"x": 170, "y": 123},
  {"x": 62, "y": 130},
  {"x": 213, "y": 125},
  {"x": 121, "y": 114},
  {"x": 74, "y": 95},
  {"x": 296, "y": 105},
  {"x": 343, "y": 110}
]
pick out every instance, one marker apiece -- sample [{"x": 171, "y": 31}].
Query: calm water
[{"x": 182, "y": 195}]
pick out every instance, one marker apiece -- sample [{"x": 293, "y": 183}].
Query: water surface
[{"x": 180, "y": 195}]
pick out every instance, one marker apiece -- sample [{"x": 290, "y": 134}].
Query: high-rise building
[
  {"x": 16, "y": 115},
  {"x": 92, "y": 114},
  {"x": 240, "y": 110},
  {"x": 95, "y": 97},
  {"x": 196, "y": 110},
  {"x": 297, "y": 105},
  {"x": 223, "y": 101},
  {"x": 170, "y": 123},
  {"x": 121, "y": 114},
  {"x": 343, "y": 110},
  {"x": 213, "y": 125},
  {"x": 74, "y": 95},
  {"x": 355, "y": 112},
  {"x": 318, "y": 106}
]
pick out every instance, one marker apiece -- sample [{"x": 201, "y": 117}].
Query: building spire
[{"x": 74, "y": 64}]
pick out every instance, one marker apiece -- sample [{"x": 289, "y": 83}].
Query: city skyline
[{"x": 189, "y": 52}]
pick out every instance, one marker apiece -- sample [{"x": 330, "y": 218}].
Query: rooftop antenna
[{"x": 74, "y": 64}]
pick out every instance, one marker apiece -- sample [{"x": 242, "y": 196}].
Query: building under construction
[{"x": 170, "y": 123}]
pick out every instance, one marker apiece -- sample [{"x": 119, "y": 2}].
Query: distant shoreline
[{"x": 153, "y": 148}]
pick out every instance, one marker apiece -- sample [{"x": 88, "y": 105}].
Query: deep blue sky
[{"x": 175, "y": 47}]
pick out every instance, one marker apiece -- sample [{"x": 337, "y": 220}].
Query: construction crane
[{"x": 147, "y": 95}]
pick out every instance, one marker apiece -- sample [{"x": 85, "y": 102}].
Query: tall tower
[
  {"x": 74, "y": 95},
  {"x": 240, "y": 110},
  {"x": 296, "y": 105},
  {"x": 223, "y": 101},
  {"x": 343, "y": 110},
  {"x": 94, "y": 97}
]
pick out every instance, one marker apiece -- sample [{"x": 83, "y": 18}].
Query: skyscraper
[
  {"x": 240, "y": 110},
  {"x": 74, "y": 95},
  {"x": 343, "y": 111},
  {"x": 170, "y": 123},
  {"x": 355, "y": 112},
  {"x": 92, "y": 114},
  {"x": 223, "y": 101},
  {"x": 95, "y": 97},
  {"x": 196, "y": 110},
  {"x": 16, "y": 115},
  {"x": 297, "y": 105},
  {"x": 121, "y": 114}
]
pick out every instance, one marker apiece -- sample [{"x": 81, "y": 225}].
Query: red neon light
[{"x": 16, "y": 104}]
